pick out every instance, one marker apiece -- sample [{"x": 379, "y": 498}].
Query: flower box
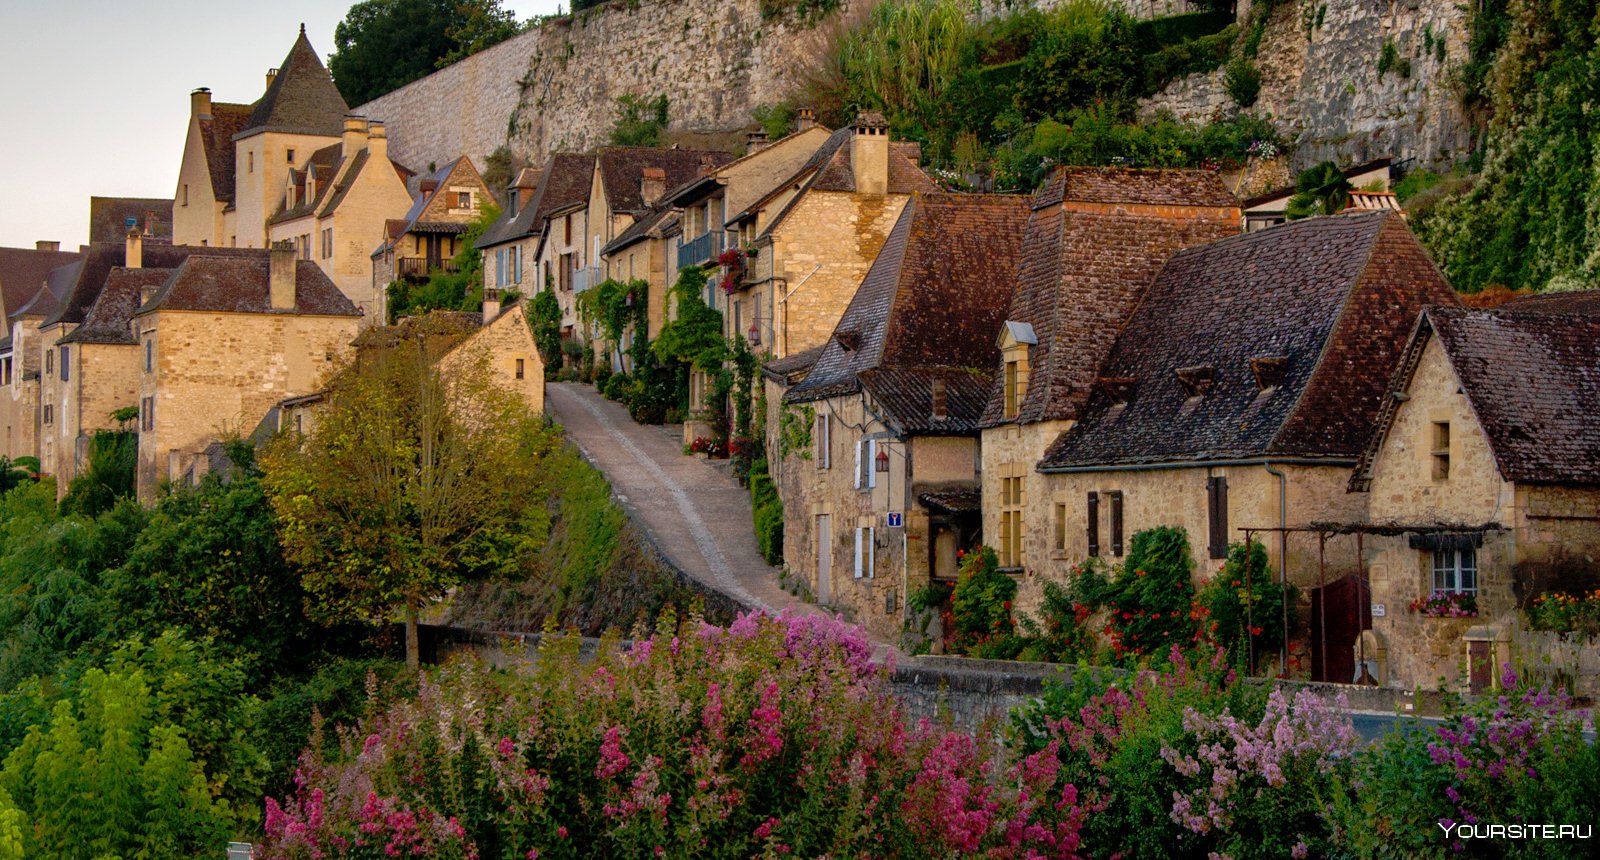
[{"x": 1446, "y": 604}]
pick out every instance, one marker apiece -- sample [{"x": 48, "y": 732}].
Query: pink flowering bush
[{"x": 774, "y": 736}]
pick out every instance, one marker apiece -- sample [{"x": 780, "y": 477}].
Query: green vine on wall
[{"x": 794, "y": 430}]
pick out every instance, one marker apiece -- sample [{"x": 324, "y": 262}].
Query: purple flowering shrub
[
  {"x": 1519, "y": 758},
  {"x": 774, "y": 736}
]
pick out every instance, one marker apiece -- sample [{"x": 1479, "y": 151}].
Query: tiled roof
[
  {"x": 47, "y": 302},
  {"x": 302, "y": 99},
  {"x": 90, "y": 277},
  {"x": 955, "y": 502},
  {"x": 829, "y": 169},
  {"x": 1319, "y": 308},
  {"x": 110, "y": 318},
  {"x": 108, "y": 218},
  {"x": 241, "y": 285},
  {"x": 1567, "y": 302},
  {"x": 1083, "y": 272},
  {"x": 216, "y": 136},
  {"x": 621, "y": 168},
  {"x": 927, "y": 312},
  {"x": 565, "y": 181},
  {"x": 1149, "y": 187},
  {"x": 23, "y": 272},
  {"x": 322, "y": 167},
  {"x": 1534, "y": 383},
  {"x": 640, "y": 229},
  {"x": 793, "y": 367}
]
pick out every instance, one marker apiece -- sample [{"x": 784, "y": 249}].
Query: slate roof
[
  {"x": 565, "y": 181},
  {"x": 1084, "y": 270},
  {"x": 90, "y": 277},
  {"x": 216, "y": 136},
  {"x": 1323, "y": 306},
  {"x": 927, "y": 312},
  {"x": 110, "y": 318},
  {"x": 239, "y": 284},
  {"x": 641, "y": 228},
  {"x": 302, "y": 98},
  {"x": 108, "y": 218},
  {"x": 621, "y": 167},
  {"x": 23, "y": 272},
  {"x": 793, "y": 367},
  {"x": 1566, "y": 302},
  {"x": 829, "y": 169},
  {"x": 46, "y": 302},
  {"x": 323, "y": 167}
]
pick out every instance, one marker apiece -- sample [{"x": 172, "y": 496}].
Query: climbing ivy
[{"x": 794, "y": 430}]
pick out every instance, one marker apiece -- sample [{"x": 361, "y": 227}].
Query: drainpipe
[{"x": 1283, "y": 558}]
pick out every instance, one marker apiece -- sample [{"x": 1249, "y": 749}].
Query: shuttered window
[
  {"x": 865, "y": 555},
  {"x": 1093, "y": 509},
  {"x": 1116, "y": 522},
  {"x": 1217, "y": 506},
  {"x": 821, "y": 441}
]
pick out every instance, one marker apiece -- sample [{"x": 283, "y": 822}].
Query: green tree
[
  {"x": 382, "y": 45},
  {"x": 111, "y": 473},
  {"x": 1319, "y": 190},
  {"x": 459, "y": 290},
  {"x": 640, "y": 121},
  {"x": 412, "y": 481},
  {"x": 545, "y": 321}
]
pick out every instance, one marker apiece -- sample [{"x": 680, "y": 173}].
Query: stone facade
[
  {"x": 218, "y": 373},
  {"x": 1321, "y": 87},
  {"x": 506, "y": 343},
  {"x": 102, "y": 378},
  {"x": 19, "y": 399}
]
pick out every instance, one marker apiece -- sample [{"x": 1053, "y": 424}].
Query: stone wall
[
  {"x": 506, "y": 345},
  {"x": 1320, "y": 84}
]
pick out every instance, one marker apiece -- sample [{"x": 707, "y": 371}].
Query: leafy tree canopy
[{"x": 382, "y": 45}]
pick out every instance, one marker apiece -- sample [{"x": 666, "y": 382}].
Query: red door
[{"x": 1340, "y": 610}]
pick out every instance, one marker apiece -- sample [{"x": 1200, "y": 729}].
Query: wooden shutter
[
  {"x": 859, "y": 445},
  {"x": 1094, "y": 524},
  {"x": 858, "y": 552},
  {"x": 872, "y": 464},
  {"x": 1217, "y": 503},
  {"x": 1116, "y": 522}
]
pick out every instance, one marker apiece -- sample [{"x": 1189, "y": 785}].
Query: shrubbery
[{"x": 767, "y": 510}]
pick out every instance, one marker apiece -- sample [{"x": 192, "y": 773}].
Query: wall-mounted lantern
[{"x": 883, "y": 460}]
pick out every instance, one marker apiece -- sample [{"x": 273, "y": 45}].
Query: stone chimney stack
[
  {"x": 133, "y": 251},
  {"x": 281, "y": 275},
  {"x": 200, "y": 103},
  {"x": 45, "y": 245},
  {"x": 377, "y": 141},
  {"x": 652, "y": 184},
  {"x": 869, "y": 153},
  {"x": 527, "y": 183},
  {"x": 491, "y": 304},
  {"x": 807, "y": 119},
  {"x": 755, "y": 141},
  {"x": 355, "y": 135},
  {"x": 272, "y": 75}
]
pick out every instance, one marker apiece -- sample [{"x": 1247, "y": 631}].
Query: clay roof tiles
[
  {"x": 564, "y": 182},
  {"x": 621, "y": 168},
  {"x": 46, "y": 302},
  {"x": 1150, "y": 187},
  {"x": 1323, "y": 305},
  {"x": 216, "y": 136},
  {"x": 926, "y": 313},
  {"x": 109, "y": 320},
  {"x": 240, "y": 284},
  {"x": 302, "y": 98},
  {"x": 90, "y": 277}
]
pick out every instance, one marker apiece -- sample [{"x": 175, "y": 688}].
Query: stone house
[
  {"x": 1268, "y": 209},
  {"x": 24, "y": 274},
  {"x": 446, "y": 203},
  {"x": 641, "y": 253},
  {"x": 1237, "y": 397},
  {"x": 1096, "y": 240},
  {"x": 84, "y": 375},
  {"x": 530, "y": 246},
  {"x": 222, "y": 341},
  {"x": 505, "y": 341},
  {"x": 336, "y": 208},
  {"x": 881, "y": 499},
  {"x": 237, "y": 158},
  {"x": 1483, "y": 480},
  {"x": 810, "y": 240}
]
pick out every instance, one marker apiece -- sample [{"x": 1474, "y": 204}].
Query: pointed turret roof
[{"x": 302, "y": 98}]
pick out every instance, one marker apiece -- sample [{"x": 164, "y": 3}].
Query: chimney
[
  {"x": 527, "y": 183},
  {"x": 200, "y": 103},
  {"x": 869, "y": 153},
  {"x": 491, "y": 304},
  {"x": 755, "y": 141},
  {"x": 150, "y": 222},
  {"x": 806, "y": 119},
  {"x": 355, "y": 135},
  {"x": 133, "y": 252},
  {"x": 281, "y": 275},
  {"x": 652, "y": 184},
  {"x": 43, "y": 245},
  {"x": 272, "y": 75},
  {"x": 377, "y": 141}
]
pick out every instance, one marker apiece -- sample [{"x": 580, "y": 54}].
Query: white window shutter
[
  {"x": 859, "y": 444},
  {"x": 872, "y": 463},
  {"x": 858, "y": 552},
  {"x": 872, "y": 552}
]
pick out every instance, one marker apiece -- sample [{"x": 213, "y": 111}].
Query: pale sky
[{"x": 94, "y": 94}]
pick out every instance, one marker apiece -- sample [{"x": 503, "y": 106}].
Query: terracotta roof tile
[
  {"x": 216, "y": 137},
  {"x": 1151, "y": 187},
  {"x": 57, "y": 285},
  {"x": 1325, "y": 303},
  {"x": 565, "y": 181},
  {"x": 1568, "y": 302},
  {"x": 90, "y": 277},
  {"x": 621, "y": 168}
]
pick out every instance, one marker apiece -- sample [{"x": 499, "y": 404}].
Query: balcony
[
  {"x": 696, "y": 252},
  {"x": 586, "y": 279},
  {"x": 418, "y": 268}
]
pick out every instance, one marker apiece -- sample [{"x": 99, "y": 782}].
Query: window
[
  {"x": 568, "y": 239},
  {"x": 1454, "y": 570},
  {"x": 1116, "y": 522},
  {"x": 519, "y": 368},
  {"x": 147, "y": 413},
  {"x": 186, "y": 194},
  {"x": 1217, "y": 506},
  {"x": 49, "y": 362},
  {"x": 865, "y": 554},
  {"x": 1093, "y": 530},
  {"x": 5, "y": 372},
  {"x": 327, "y": 243},
  {"x": 516, "y": 265},
  {"x": 1012, "y": 371},
  {"x": 820, "y": 440},
  {"x": 1441, "y": 450},
  {"x": 65, "y": 364},
  {"x": 149, "y": 355},
  {"x": 49, "y": 414},
  {"x": 1011, "y": 522},
  {"x": 500, "y": 268},
  {"x": 463, "y": 199},
  {"x": 866, "y": 458},
  {"x": 1061, "y": 527},
  {"x": 250, "y": 161}
]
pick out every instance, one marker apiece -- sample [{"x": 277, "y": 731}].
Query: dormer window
[
  {"x": 1016, "y": 341},
  {"x": 1197, "y": 380},
  {"x": 1268, "y": 371},
  {"x": 850, "y": 340},
  {"x": 1117, "y": 389},
  {"x": 463, "y": 199}
]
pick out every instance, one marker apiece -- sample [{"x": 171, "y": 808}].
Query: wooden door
[{"x": 1340, "y": 610}]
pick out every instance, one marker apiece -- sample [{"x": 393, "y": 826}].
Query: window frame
[
  {"x": 823, "y": 452},
  {"x": 1450, "y": 567},
  {"x": 866, "y": 545}
]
